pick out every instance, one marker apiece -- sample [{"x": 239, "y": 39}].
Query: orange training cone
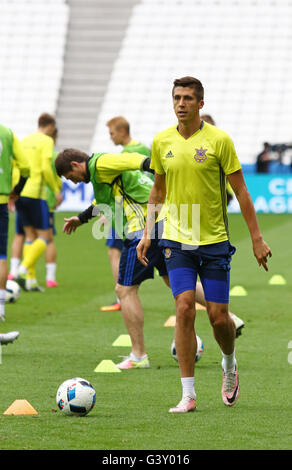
[{"x": 20, "y": 407}]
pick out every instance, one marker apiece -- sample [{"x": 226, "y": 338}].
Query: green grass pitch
[{"x": 63, "y": 334}]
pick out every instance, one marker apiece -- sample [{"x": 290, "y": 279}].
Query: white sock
[
  {"x": 228, "y": 361},
  {"x": 136, "y": 358},
  {"x": 51, "y": 271},
  {"x": 2, "y": 302},
  {"x": 188, "y": 386},
  {"x": 14, "y": 264}
]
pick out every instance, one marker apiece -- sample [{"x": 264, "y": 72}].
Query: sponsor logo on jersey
[{"x": 169, "y": 155}]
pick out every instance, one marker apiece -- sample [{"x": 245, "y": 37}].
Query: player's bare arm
[
  {"x": 260, "y": 249},
  {"x": 155, "y": 202}
]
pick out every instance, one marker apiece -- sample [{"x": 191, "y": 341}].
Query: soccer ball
[
  {"x": 76, "y": 397},
  {"x": 200, "y": 349},
  {"x": 12, "y": 291}
]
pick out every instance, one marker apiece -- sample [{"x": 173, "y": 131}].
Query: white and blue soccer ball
[
  {"x": 76, "y": 397},
  {"x": 200, "y": 349},
  {"x": 12, "y": 291}
]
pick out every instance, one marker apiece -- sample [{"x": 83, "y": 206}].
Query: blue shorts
[
  {"x": 19, "y": 225},
  {"x": 210, "y": 262},
  {"x": 33, "y": 212},
  {"x": 4, "y": 221},
  {"x": 113, "y": 240},
  {"x": 131, "y": 271},
  {"x": 52, "y": 222}
]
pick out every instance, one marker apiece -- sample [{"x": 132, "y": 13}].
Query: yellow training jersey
[
  {"x": 195, "y": 172},
  {"x": 130, "y": 187},
  {"x": 38, "y": 148}
]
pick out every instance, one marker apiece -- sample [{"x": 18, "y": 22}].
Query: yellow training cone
[
  {"x": 200, "y": 307},
  {"x": 20, "y": 407},
  {"x": 170, "y": 321},
  {"x": 107, "y": 366},
  {"x": 123, "y": 340},
  {"x": 277, "y": 280},
  {"x": 238, "y": 291}
]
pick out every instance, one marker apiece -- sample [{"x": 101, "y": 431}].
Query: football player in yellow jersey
[
  {"x": 119, "y": 130},
  {"x": 191, "y": 161},
  {"x": 19, "y": 236},
  {"x": 32, "y": 205},
  {"x": 10, "y": 150},
  {"x": 120, "y": 185},
  {"x": 53, "y": 203}
]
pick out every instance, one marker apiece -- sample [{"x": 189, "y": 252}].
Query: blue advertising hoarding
[
  {"x": 270, "y": 194},
  {"x": 76, "y": 197}
]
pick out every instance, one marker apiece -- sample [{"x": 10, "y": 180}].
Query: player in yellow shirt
[
  {"x": 53, "y": 203},
  {"x": 10, "y": 150},
  {"x": 19, "y": 236},
  {"x": 122, "y": 190},
  {"x": 119, "y": 130},
  {"x": 191, "y": 161},
  {"x": 32, "y": 205}
]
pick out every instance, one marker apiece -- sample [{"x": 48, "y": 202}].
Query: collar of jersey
[{"x": 201, "y": 127}]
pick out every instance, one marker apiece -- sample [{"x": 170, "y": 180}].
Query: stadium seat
[
  {"x": 239, "y": 49},
  {"x": 32, "y": 44}
]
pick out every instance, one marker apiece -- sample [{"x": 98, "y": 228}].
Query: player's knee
[
  {"x": 218, "y": 316},
  {"x": 122, "y": 291},
  {"x": 119, "y": 290},
  {"x": 185, "y": 311}
]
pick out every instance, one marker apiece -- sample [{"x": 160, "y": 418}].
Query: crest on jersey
[
  {"x": 167, "y": 253},
  {"x": 200, "y": 155}
]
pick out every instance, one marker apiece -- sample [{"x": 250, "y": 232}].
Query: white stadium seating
[
  {"x": 241, "y": 51},
  {"x": 32, "y": 45}
]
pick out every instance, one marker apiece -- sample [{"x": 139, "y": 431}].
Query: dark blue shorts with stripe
[
  {"x": 33, "y": 212},
  {"x": 131, "y": 271}
]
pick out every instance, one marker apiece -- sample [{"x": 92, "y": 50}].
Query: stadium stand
[
  {"x": 32, "y": 44},
  {"x": 88, "y": 60},
  {"x": 95, "y": 32},
  {"x": 239, "y": 49}
]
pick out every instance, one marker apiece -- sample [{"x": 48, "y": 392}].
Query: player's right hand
[{"x": 71, "y": 224}]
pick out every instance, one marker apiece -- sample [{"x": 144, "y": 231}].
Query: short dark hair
[
  {"x": 46, "y": 119},
  {"x": 190, "y": 82},
  {"x": 66, "y": 157},
  {"x": 208, "y": 118}
]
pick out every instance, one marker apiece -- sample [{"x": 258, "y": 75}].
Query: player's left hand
[
  {"x": 71, "y": 224},
  {"x": 262, "y": 251}
]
